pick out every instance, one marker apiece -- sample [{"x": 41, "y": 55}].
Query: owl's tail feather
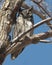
[{"x": 16, "y": 53}]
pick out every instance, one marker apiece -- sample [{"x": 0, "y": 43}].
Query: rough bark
[{"x": 7, "y": 18}]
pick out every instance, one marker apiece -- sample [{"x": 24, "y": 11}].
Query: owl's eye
[{"x": 29, "y": 13}]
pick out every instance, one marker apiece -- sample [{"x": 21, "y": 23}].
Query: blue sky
[{"x": 38, "y": 54}]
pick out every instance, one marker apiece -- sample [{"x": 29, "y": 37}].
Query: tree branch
[
  {"x": 48, "y": 23},
  {"x": 46, "y": 41},
  {"x": 22, "y": 34},
  {"x": 33, "y": 39}
]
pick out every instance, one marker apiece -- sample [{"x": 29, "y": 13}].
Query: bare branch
[
  {"x": 46, "y": 41},
  {"x": 42, "y": 36},
  {"x": 33, "y": 39},
  {"x": 48, "y": 23},
  {"x": 42, "y": 8}
]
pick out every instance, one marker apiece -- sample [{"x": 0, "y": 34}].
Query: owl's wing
[
  {"x": 18, "y": 28},
  {"x": 16, "y": 52}
]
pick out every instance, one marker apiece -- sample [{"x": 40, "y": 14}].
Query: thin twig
[
  {"x": 46, "y": 41},
  {"x": 42, "y": 8},
  {"x": 48, "y": 23}
]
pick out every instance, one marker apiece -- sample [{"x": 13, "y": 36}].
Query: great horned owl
[{"x": 24, "y": 22}]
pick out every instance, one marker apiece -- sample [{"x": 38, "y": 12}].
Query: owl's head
[{"x": 26, "y": 12}]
